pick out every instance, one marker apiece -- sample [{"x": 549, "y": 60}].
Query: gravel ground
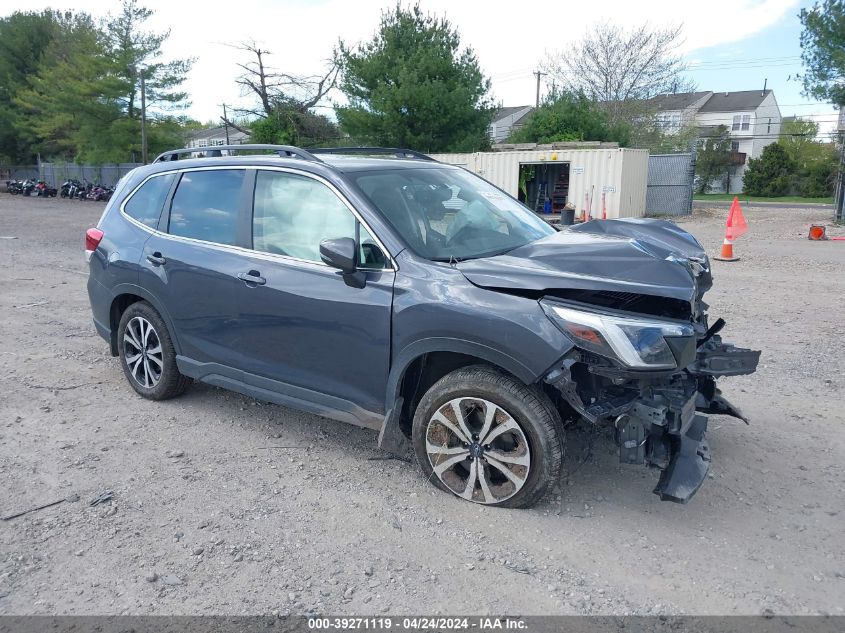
[{"x": 225, "y": 505}]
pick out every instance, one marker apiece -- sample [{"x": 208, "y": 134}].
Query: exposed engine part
[
  {"x": 656, "y": 414},
  {"x": 631, "y": 437}
]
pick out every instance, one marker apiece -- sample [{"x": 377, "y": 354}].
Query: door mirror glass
[{"x": 339, "y": 253}]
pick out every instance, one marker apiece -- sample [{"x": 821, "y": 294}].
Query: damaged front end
[
  {"x": 651, "y": 378},
  {"x": 627, "y": 294}
]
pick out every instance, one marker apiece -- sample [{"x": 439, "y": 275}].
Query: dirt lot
[{"x": 213, "y": 512}]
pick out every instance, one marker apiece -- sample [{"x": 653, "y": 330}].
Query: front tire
[
  {"x": 488, "y": 438},
  {"x": 147, "y": 355}
]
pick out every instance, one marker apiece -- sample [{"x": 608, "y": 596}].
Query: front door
[{"x": 298, "y": 321}]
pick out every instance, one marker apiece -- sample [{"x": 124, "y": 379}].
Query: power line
[
  {"x": 746, "y": 60},
  {"x": 748, "y": 67}
]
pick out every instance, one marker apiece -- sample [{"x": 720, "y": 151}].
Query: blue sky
[
  {"x": 731, "y": 44},
  {"x": 774, "y": 54}
]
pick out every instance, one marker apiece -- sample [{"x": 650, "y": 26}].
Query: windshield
[{"x": 448, "y": 213}]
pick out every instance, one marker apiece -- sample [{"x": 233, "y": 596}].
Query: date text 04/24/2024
[{"x": 416, "y": 623}]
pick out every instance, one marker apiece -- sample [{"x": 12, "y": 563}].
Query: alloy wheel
[
  {"x": 477, "y": 450},
  {"x": 142, "y": 352}
]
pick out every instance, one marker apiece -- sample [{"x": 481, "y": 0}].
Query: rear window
[
  {"x": 205, "y": 205},
  {"x": 146, "y": 203}
]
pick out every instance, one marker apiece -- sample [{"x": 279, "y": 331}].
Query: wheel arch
[
  {"x": 124, "y": 296},
  {"x": 423, "y": 363}
]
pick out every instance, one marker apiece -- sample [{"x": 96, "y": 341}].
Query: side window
[
  {"x": 369, "y": 253},
  {"x": 146, "y": 203},
  {"x": 205, "y": 205},
  {"x": 293, "y": 214}
]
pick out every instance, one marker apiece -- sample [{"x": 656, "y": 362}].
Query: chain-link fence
[
  {"x": 18, "y": 172},
  {"x": 54, "y": 174},
  {"x": 670, "y": 184},
  {"x": 108, "y": 175}
]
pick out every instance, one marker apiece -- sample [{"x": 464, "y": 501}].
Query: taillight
[{"x": 93, "y": 237}]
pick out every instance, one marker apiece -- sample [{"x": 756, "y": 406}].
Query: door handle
[
  {"x": 252, "y": 277},
  {"x": 156, "y": 259}
]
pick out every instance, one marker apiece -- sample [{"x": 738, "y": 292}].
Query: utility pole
[
  {"x": 839, "y": 192},
  {"x": 226, "y": 123},
  {"x": 538, "y": 74},
  {"x": 143, "y": 119}
]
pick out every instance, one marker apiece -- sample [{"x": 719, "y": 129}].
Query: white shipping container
[{"x": 619, "y": 174}]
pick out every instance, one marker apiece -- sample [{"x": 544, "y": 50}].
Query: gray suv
[{"x": 382, "y": 288}]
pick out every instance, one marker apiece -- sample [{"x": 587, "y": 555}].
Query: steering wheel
[{"x": 451, "y": 240}]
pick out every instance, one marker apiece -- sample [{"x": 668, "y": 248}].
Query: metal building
[{"x": 595, "y": 178}]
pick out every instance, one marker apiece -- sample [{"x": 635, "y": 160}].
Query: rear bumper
[{"x": 100, "y": 298}]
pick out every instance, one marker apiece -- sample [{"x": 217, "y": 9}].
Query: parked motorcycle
[
  {"x": 84, "y": 190},
  {"x": 28, "y": 187},
  {"x": 14, "y": 187},
  {"x": 70, "y": 188},
  {"x": 98, "y": 192},
  {"x": 43, "y": 190}
]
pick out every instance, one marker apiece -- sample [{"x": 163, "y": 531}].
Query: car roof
[
  {"x": 327, "y": 162},
  {"x": 369, "y": 163},
  {"x": 333, "y": 159}
]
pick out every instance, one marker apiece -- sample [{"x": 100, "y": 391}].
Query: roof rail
[
  {"x": 398, "y": 152},
  {"x": 283, "y": 151}
]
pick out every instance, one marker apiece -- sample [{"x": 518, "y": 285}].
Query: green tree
[
  {"x": 815, "y": 162},
  {"x": 24, "y": 40},
  {"x": 567, "y": 116},
  {"x": 65, "y": 110},
  {"x": 714, "y": 158},
  {"x": 773, "y": 174},
  {"x": 132, "y": 51},
  {"x": 823, "y": 51},
  {"x": 292, "y": 126},
  {"x": 83, "y": 103},
  {"x": 413, "y": 86}
]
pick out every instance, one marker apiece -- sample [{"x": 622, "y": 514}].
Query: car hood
[{"x": 652, "y": 257}]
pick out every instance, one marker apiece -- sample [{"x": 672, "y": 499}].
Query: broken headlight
[{"x": 636, "y": 342}]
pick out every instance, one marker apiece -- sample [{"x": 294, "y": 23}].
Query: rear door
[
  {"x": 191, "y": 263},
  {"x": 299, "y": 322}
]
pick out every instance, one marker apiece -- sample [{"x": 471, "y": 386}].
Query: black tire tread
[
  {"x": 533, "y": 404},
  {"x": 172, "y": 382}
]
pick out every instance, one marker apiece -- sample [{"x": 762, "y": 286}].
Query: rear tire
[
  {"x": 147, "y": 355},
  {"x": 487, "y": 437}
]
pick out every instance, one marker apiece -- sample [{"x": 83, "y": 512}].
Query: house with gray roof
[
  {"x": 506, "y": 120},
  {"x": 211, "y": 137},
  {"x": 678, "y": 110},
  {"x": 752, "y": 117}
]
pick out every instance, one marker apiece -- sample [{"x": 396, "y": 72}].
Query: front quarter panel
[{"x": 435, "y": 308}]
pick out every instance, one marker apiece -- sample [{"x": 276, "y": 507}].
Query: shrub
[{"x": 773, "y": 174}]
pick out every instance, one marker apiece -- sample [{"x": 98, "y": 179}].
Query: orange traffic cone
[
  {"x": 817, "y": 232},
  {"x": 734, "y": 227},
  {"x": 727, "y": 254}
]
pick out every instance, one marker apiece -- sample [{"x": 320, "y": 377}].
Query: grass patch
[{"x": 718, "y": 197}]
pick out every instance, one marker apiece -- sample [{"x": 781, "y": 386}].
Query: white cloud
[{"x": 509, "y": 38}]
